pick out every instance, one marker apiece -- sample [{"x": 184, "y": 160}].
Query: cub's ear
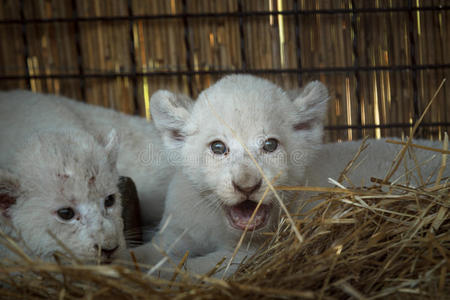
[
  {"x": 311, "y": 103},
  {"x": 9, "y": 191},
  {"x": 170, "y": 113},
  {"x": 111, "y": 144}
]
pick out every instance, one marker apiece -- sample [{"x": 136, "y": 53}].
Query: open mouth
[{"x": 239, "y": 215}]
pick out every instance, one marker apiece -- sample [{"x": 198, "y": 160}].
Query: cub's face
[
  {"x": 238, "y": 128},
  {"x": 66, "y": 183}
]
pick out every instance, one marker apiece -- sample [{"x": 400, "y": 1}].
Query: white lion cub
[
  {"x": 140, "y": 155},
  {"x": 65, "y": 182},
  {"x": 217, "y": 186}
]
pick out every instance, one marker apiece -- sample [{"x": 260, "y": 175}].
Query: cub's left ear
[
  {"x": 9, "y": 191},
  {"x": 170, "y": 113},
  {"x": 312, "y": 104},
  {"x": 112, "y": 145}
]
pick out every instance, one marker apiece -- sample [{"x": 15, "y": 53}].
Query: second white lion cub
[
  {"x": 62, "y": 182},
  {"x": 217, "y": 186}
]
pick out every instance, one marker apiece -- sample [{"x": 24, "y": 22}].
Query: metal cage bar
[
  {"x": 324, "y": 70},
  {"x": 133, "y": 56},
  {"x": 79, "y": 52},
  {"x": 26, "y": 53},
  {"x": 238, "y": 14},
  {"x": 187, "y": 45}
]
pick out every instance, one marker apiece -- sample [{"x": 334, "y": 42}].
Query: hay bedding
[
  {"x": 383, "y": 241},
  {"x": 361, "y": 242}
]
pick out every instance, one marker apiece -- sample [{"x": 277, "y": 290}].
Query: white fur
[
  {"x": 53, "y": 170},
  {"x": 202, "y": 190},
  {"x": 376, "y": 161},
  {"x": 141, "y": 155},
  {"x": 253, "y": 109}
]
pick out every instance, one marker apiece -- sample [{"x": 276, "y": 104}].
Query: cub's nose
[
  {"x": 247, "y": 190},
  {"x": 106, "y": 252}
]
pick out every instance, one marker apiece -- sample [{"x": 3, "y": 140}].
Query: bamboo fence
[{"x": 82, "y": 49}]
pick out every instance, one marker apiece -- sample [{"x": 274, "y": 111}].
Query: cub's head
[
  {"x": 238, "y": 115},
  {"x": 65, "y": 182}
]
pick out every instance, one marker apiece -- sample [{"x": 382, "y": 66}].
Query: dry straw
[
  {"x": 362, "y": 242},
  {"x": 385, "y": 240}
]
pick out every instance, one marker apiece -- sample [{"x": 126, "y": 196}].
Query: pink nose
[{"x": 247, "y": 191}]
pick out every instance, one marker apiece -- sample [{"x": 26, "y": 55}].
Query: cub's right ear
[
  {"x": 112, "y": 146},
  {"x": 9, "y": 191},
  {"x": 311, "y": 103},
  {"x": 170, "y": 113}
]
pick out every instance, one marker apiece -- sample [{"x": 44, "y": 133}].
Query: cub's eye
[
  {"x": 270, "y": 145},
  {"x": 66, "y": 213},
  {"x": 218, "y": 147},
  {"x": 110, "y": 200}
]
